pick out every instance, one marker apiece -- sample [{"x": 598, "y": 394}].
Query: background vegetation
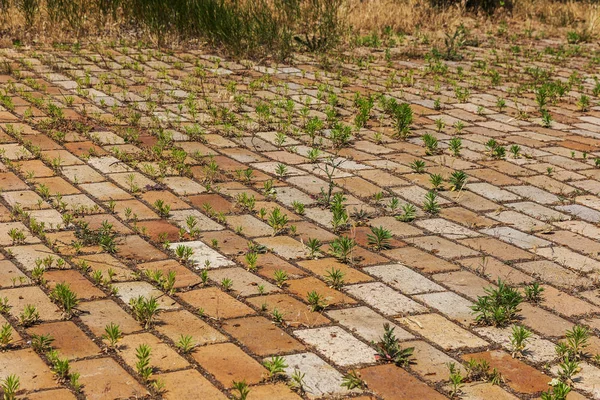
[{"x": 259, "y": 28}]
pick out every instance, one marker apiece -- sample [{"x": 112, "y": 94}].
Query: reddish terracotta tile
[
  {"x": 32, "y": 372},
  {"x": 228, "y": 363},
  {"x": 162, "y": 357},
  {"x": 497, "y": 248},
  {"x": 157, "y": 228},
  {"x": 217, "y": 202},
  {"x": 69, "y": 340},
  {"x": 295, "y": 313},
  {"x": 301, "y": 287},
  {"x": 261, "y": 336},
  {"x": 215, "y": 303},
  {"x": 57, "y": 185},
  {"x": 277, "y": 391},
  {"x": 9, "y": 181},
  {"x": 135, "y": 248},
  {"x": 384, "y": 379},
  {"x": 20, "y": 297},
  {"x": 78, "y": 283},
  {"x": 323, "y": 266},
  {"x": 518, "y": 376},
  {"x": 97, "y": 314},
  {"x": 420, "y": 260},
  {"x": 188, "y": 384},
  {"x": 84, "y": 148},
  {"x": 229, "y": 243},
  {"x": 183, "y": 276},
  {"x": 167, "y": 197},
  {"x": 183, "y": 323}
]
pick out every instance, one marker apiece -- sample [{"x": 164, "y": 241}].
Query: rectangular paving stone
[
  {"x": 175, "y": 324},
  {"x": 128, "y": 291},
  {"x": 97, "y": 314},
  {"x": 473, "y": 201},
  {"x": 244, "y": 283},
  {"x": 20, "y": 297},
  {"x": 519, "y": 376},
  {"x": 492, "y": 192},
  {"x": 519, "y": 221},
  {"x": 442, "y": 332},
  {"x": 484, "y": 391},
  {"x": 285, "y": 246},
  {"x": 537, "y": 349},
  {"x": 543, "y": 322},
  {"x": 385, "y": 299},
  {"x": 539, "y": 212},
  {"x": 534, "y": 193},
  {"x": 366, "y": 323},
  {"x": 189, "y": 384},
  {"x": 568, "y": 258},
  {"x": 215, "y": 303},
  {"x": 581, "y": 227},
  {"x": 331, "y": 296},
  {"x": 295, "y": 313},
  {"x": 320, "y": 378},
  {"x": 446, "y": 228},
  {"x": 203, "y": 254},
  {"x": 32, "y": 372},
  {"x": 403, "y": 278},
  {"x": 588, "y": 379},
  {"x": 383, "y": 380},
  {"x": 496, "y": 248},
  {"x": 429, "y": 363},
  {"x": 337, "y": 345},
  {"x": 553, "y": 273},
  {"x": 323, "y": 266},
  {"x": 397, "y": 228},
  {"x": 576, "y": 242},
  {"x": 227, "y": 363},
  {"x": 261, "y": 336},
  {"x": 450, "y": 304},
  {"x": 464, "y": 282},
  {"x": 420, "y": 260},
  {"x": 202, "y": 221},
  {"x": 5, "y": 228},
  {"x": 441, "y": 247},
  {"x": 518, "y": 238},
  {"x": 466, "y": 217},
  {"x": 582, "y": 212},
  {"x": 567, "y": 304},
  {"x": 165, "y": 357},
  {"x": 103, "y": 378}
]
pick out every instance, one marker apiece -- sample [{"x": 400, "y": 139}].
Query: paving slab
[
  {"x": 338, "y": 345},
  {"x": 385, "y": 299}
]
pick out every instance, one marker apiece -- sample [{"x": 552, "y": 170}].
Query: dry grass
[
  {"x": 546, "y": 18},
  {"x": 414, "y": 16}
]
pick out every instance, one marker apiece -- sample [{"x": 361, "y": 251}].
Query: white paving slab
[
  {"x": 203, "y": 253},
  {"x": 403, "y": 278},
  {"x": 320, "y": 378},
  {"x": 385, "y": 299},
  {"x": 338, "y": 345},
  {"x": 366, "y": 323}
]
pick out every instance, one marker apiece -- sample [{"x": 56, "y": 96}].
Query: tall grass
[
  {"x": 243, "y": 27},
  {"x": 259, "y": 28},
  {"x": 434, "y": 18}
]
